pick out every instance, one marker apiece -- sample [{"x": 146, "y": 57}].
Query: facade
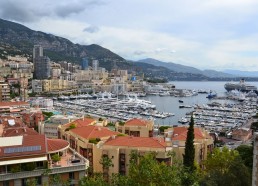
[
  {"x": 42, "y": 67},
  {"x": 119, "y": 148},
  {"x": 176, "y": 138},
  {"x": 136, "y": 127},
  {"x": 95, "y": 65},
  {"x": 85, "y": 64},
  {"x": 242, "y": 134},
  {"x": 17, "y": 106},
  {"x": 50, "y": 127},
  {"x": 36, "y": 86},
  {"x": 4, "y": 92},
  {"x": 86, "y": 140},
  {"x": 29, "y": 159},
  {"x": 255, "y": 161}
]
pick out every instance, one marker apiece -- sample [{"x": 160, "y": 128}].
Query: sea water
[{"x": 171, "y": 103}]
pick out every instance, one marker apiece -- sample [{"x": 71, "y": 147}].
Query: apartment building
[
  {"x": 4, "y": 91},
  {"x": 86, "y": 141},
  {"x": 13, "y": 107},
  {"x": 136, "y": 127},
  {"x": 119, "y": 148},
  {"x": 176, "y": 138},
  {"x": 50, "y": 127},
  {"x": 30, "y": 159}
]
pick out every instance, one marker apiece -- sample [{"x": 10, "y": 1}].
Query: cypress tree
[{"x": 188, "y": 157}]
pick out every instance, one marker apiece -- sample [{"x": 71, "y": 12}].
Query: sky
[{"x": 206, "y": 34}]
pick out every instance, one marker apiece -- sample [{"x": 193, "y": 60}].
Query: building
[
  {"x": 4, "y": 91},
  {"x": 36, "y": 86},
  {"x": 37, "y": 52},
  {"x": 42, "y": 68},
  {"x": 13, "y": 107},
  {"x": 85, "y": 64},
  {"x": 176, "y": 138},
  {"x": 119, "y": 148},
  {"x": 242, "y": 134},
  {"x": 255, "y": 161},
  {"x": 136, "y": 127},
  {"x": 50, "y": 127},
  {"x": 32, "y": 159},
  {"x": 41, "y": 63},
  {"x": 86, "y": 140},
  {"x": 95, "y": 65}
]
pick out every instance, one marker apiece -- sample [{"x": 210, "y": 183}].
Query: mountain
[
  {"x": 242, "y": 73},
  {"x": 18, "y": 39},
  {"x": 186, "y": 69}
]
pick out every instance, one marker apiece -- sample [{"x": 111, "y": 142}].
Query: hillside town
[{"x": 52, "y": 128}]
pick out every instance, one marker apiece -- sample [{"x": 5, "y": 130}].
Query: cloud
[{"x": 91, "y": 29}]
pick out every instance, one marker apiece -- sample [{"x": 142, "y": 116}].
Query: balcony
[{"x": 65, "y": 165}]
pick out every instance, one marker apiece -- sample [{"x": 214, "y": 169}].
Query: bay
[{"x": 171, "y": 103}]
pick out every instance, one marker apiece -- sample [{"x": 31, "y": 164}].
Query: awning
[{"x": 10, "y": 162}]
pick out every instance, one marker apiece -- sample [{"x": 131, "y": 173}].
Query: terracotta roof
[
  {"x": 89, "y": 132},
  {"x": 4, "y": 121},
  {"x": 21, "y": 131},
  {"x": 8, "y": 103},
  {"x": 180, "y": 133},
  {"x": 56, "y": 145},
  {"x": 136, "y": 122},
  {"x": 130, "y": 141},
  {"x": 27, "y": 141},
  {"x": 80, "y": 122}
]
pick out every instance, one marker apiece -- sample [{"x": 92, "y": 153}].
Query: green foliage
[
  {"x": 163, "y": 128},
  {"x": 225, "y": 167},
  {"x": 55, "y": 158},
  {"x": 72, "y": 126},
  {"x": 28, "y": 166},
  {"x": 94, "y": 140},
  {"x": 121, "y": 134},
  {"x": 15, "y": 168},
  {"x": 121, "y": 123},
  {"x": 31, "y": 182},
  {"x": 188, "y": 157},
  {"x": 106, "y": 162},
  {"x": 48, "y": 114},
  {"x": 246, "y": 153},
  {"x": 95, "y": 180},
  {"x": 33, "y": 94},
  {"x": 110, "y": 124}
]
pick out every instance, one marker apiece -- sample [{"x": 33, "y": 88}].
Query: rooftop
[
  {"x": 81, "y": 122},
  {"x": 89, "y": 132},
  {"x": 130, "y": 141},
  {"x": 180, "y": 133},
  {"x": 55, "y": 145},
  {"x": 16, "y": 103},
  {"x": 136, "y": 122}
]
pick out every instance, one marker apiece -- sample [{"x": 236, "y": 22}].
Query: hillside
[
  {"x": 186, "y": 69},
  {"x": 18, "y": 39}
]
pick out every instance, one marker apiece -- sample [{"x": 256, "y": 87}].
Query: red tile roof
[
  {"x": 81, "y": 122},
  {"x": 180, "y": 133},
  {"x": 56, "y": 145},
  {"x": 27, "y": 141},
  {"x": 8, "y": 103},
  {"x": 21, "y": 131},
  {"x": 89, "y": 132},
  {"x": 130, "y": 141},
  {"x": 136, "y": 122}
]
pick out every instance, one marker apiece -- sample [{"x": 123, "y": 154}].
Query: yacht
[{"x": 241, "y": 86}]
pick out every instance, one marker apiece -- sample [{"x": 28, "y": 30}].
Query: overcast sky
[{"x": 206, "y": 34}]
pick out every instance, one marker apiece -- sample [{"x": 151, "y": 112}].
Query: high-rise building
[
  {"x": 84, "y": 64},
  {"x": 37, "y": 52},
  {"x": 41, "y": 63},
  {"x": 95, "y": 65}
]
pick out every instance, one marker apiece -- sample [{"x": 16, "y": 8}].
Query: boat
[
  {"x": 183, "y": 120},
  {"x": 211, "y": 95},
  {"x": 241, "y": 86},
  {"x": 180, "y": 101}
]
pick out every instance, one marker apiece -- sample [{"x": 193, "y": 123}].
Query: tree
[
  {"x": 94, "y": 180},
  {"x": 225, "y": 167},
  {"x": 188, "y": 157},
  {"x": 246, "y": 153}
]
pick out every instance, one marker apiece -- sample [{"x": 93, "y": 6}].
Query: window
[
  {"x": 6, "y": 183},
  {"x": 71, "y": 175}
]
